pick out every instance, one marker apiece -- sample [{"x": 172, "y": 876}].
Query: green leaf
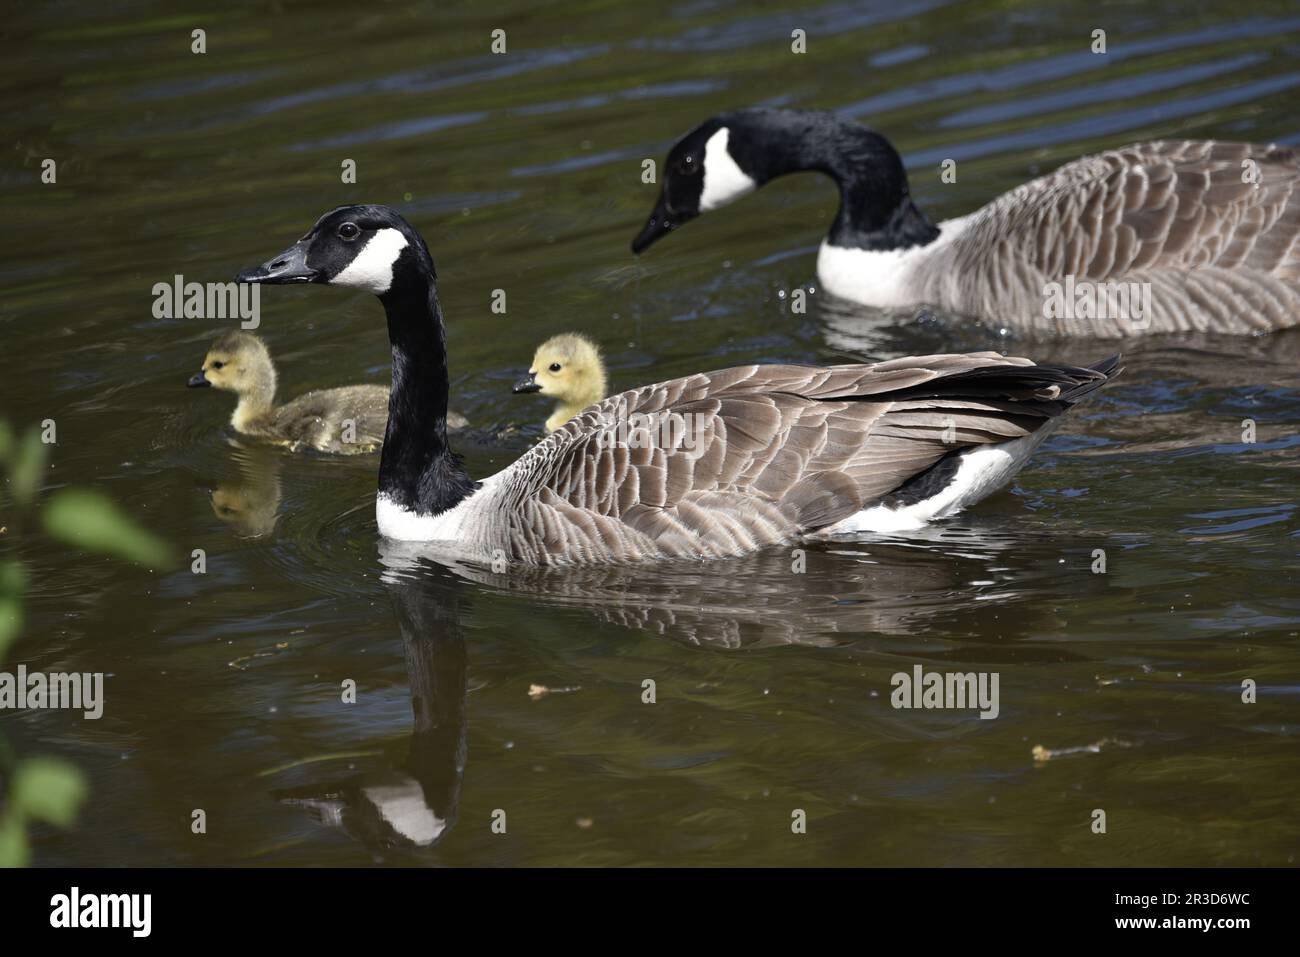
[
  {"x": 14, "y": 851},
  {"x": 11, "y": 622},
  {"x": 93, "y": 521},
  {"x": 13, "y": 582},
  {"x": 48, "y": 789},
  {"x": 13, "y": 578},
  {"x": 28, "y": 467}
]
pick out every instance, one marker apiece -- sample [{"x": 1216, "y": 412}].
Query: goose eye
[
  {"x": 349, "y": 231},
  {"x": 555, "y": 367},
  {"x": 218, "y": 365},
  {"x": 686, "y": 165}
]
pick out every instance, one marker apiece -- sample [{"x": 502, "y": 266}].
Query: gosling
[
  {"x": 347, "y": 421},
  {"x": 568, "y": 367}
]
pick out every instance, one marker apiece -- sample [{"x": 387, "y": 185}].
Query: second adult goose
[
  {"x": 1210, "y": 231},
  {"x": 715, "y": 464}
]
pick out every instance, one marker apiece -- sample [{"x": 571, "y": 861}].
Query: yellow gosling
[
  {"x": 347, "y": 420},
  {"x": 567, "y": 367}
]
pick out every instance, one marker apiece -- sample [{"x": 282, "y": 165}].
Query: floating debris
[
  {"x": 242, "y": 660},
  {"x": 1042, "y": 754},
  {"x": 239, "y": 662},
  {"x": 541, "y": 691}
]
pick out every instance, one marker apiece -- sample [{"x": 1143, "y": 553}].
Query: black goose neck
[
  {"x": 876, "y": 209},
  {"x": 417, "y": 469}
]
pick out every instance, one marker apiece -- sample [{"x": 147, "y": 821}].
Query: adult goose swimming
[
  {"x": 712, "y": 465},
  {"x": 1212, "y": 227}
]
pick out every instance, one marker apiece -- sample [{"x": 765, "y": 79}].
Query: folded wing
[
  {"x": 1213, "y": 227},
  {"x": 719, "y": 463}
]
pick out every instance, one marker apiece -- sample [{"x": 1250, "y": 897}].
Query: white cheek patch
[
  {"x": 724, "y": 181},
  {"x": 372, "y": 269}
]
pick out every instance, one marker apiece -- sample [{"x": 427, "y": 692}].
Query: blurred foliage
[
  {"x": 92, "y": 521},
  {"x": 13, "y": 580},
  {"x": 46, "y": 790}
]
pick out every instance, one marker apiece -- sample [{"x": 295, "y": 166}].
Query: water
[{"x": 772, "y": 689}]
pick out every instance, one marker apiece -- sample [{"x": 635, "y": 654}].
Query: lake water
[{"x": 772, "y": 689}]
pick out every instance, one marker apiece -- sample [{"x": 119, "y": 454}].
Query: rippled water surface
[{"x": 523, "y": 171}]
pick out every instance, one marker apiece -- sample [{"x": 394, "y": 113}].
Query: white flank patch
[
  {"x": 457, "y": 524},
  {"x": 405, "y": 525},
  {"x": 981, "y": 473},
  {"x": 372, "y": 269},
  {"x": 886, "y": 278},
  {"x": 724, "y": 181}
]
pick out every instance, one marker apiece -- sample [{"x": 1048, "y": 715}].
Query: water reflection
[
  {"x": 861, "y": 333},
  {"x": 821, "y": 595},
  {"x": 250, "y": 504},
  {"x": 414, "y": 804}
]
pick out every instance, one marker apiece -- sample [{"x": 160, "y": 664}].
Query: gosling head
[
  {"x": 364, "y": 247},
  {"x": 237, "y": 362},
  {"x": 567, "y": 367}
]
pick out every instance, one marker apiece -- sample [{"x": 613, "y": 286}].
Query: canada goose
[
  {"x": 568, "y": 367},
  {"x": 1209, "y": 231},
  {"x": 348, "y": 420},
  {"x": 753, "y": 456}
]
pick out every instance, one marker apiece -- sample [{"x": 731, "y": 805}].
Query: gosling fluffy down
[
  {"x": 569, "y": 368},
  {"x": 348, "y": 420}
]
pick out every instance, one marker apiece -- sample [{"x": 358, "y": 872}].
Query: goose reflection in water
[
  {"x": 415, "y": 804},
  {"x": 880, "y": 595},
  {"x": 821, "y": 595}
]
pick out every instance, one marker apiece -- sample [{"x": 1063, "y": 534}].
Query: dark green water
[{"x": 523, "y": 171}]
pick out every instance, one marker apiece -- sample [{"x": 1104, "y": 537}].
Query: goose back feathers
[{"x": 1221, "y": 253}]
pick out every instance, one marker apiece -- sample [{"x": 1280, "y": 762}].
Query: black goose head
[
  {"x": 701, "y": 173},
  {"x": 732, "y": 154},
  {"x": 365, "y": 247}
]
